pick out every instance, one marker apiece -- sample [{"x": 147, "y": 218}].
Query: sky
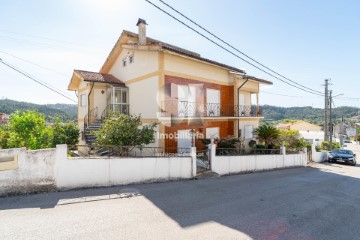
[{"x": 306, "y": 41}]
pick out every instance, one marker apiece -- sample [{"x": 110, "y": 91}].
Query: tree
[
  {"x": 28, "y": 129},
  {"x": 325, "y": 145},
  {"x": 125, "y": 130},
  {"x": 4, "y": 136},
  {"x": 288, "y": 137},
  {"x": 65, "y": 133},
  {"x": 267, "y": 134}
]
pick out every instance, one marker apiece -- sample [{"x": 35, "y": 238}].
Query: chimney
[{"x": 142, "y": 31}]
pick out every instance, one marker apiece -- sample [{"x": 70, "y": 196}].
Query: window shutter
[{"x": 174, "y": 91}]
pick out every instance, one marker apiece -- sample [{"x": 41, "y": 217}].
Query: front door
[{"x": 184, "y": 141}]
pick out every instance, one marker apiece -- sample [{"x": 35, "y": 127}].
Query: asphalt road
[{"x": 319, "y": 202}]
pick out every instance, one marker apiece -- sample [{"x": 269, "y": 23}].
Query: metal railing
[
  {"x": 90, "y": 117},
  {"x": 194, "y": 109},
  {"x": 122, "y": 108},
  {"x": 96, "y": 151},
  {"x": 242, "y": 152}
]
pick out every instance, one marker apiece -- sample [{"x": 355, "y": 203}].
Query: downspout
[{"x": 238, "y": 94}]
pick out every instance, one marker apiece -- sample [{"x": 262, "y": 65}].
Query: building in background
[{"x": 4, "y": 119}]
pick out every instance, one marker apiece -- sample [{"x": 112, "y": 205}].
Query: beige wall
[
  {"x": 145, "y": 62},
  {"x": 186, "y": 66},
  {"x": 249, "y": 122},
  {"x": 143, "y": 98},
  {"x": 249, "y": 86},
  {"x": 247, "y": 97},
  {"x": 100, "y": 100}
]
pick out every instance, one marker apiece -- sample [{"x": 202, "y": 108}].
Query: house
[
  {"x": 299, "y": 125},
  {"x": 311, "y": 132},
  {"x": 175, "y": 87},
  {"x": 4, "y": 119}
]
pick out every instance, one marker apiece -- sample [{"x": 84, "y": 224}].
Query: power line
[
  {"x": 46, "y": 38},
  {"x": 301, "y": 87},
  {"x": 35, "y": 64},
  {"x": 278, "y": 94},
  {"x": 37, "y": 81}
]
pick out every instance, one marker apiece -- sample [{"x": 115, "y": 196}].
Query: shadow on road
[{"x": 302, "y": 203}]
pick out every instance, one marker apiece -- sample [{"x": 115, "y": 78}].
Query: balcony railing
[
  {"x": 122, "y": 108},
  {"x": 193, "y": 109}
]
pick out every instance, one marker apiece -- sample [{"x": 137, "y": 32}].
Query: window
[
  {"x": 249, "y": 132},
  {"x": 83, "y": 100},
  {"x": 124, "y": 63},
  {"x": 131, "y": 58}
]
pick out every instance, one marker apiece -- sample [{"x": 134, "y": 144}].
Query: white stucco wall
[
  {"x": 144, "y": 62},
  {"x": 191, "y": 67},
  {"x": 143, "y": 98},
  {"x": 318, "y": 156},
  {"x": 82, "y": 111},
  {"x": 249, "y": 122},
  {"x": 89, "y": 172},
  {"x": 42, "y": 170},
  {"x": 224, "y": 165},
  {"x": 35, "y": 171}
]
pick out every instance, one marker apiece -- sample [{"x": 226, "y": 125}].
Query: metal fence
[
  {"x": 242, "y": 152},
  {"x": 125, "y": 151}
]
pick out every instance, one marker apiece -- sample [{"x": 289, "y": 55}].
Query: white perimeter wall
[
  {"x": 34, "y": 172},
  {"x": 90, "y": 172},
  {"x": 224, "y": 165},
  {"x": 42, "y": 170}
]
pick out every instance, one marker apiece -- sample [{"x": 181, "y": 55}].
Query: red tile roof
[{"x": 98, "y": 77}]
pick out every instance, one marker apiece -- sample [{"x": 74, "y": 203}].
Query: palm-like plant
[{"x": 267, "y": 134}]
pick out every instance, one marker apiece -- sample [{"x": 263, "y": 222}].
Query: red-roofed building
[
  {"x": 170, "y": 85},
  {"x": 4, "y": 119}
]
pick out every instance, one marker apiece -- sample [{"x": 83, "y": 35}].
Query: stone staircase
[{"x": 89, "y": 136}]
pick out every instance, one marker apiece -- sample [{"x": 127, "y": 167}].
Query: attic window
[
  {"x": 131, "y": 58},
  {"x": 124, "y": 63}
]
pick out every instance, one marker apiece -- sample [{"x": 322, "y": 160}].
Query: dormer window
[
  {"x": 131, "y": 58},
  {"x": 124, "y": 63}
]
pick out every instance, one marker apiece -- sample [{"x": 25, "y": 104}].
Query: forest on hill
[{"x": 68, "y": 112}]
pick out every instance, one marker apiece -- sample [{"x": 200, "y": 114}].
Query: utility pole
[
  {"x": 331, "y": 124},
  {"x": 341, "y": 131},
  {"x": 326, "y": 114}
]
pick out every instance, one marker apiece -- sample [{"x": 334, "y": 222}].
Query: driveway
[{"x": 318, "y": 202}]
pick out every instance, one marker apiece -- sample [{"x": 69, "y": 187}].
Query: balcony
[{"x": 212, "y": 110}]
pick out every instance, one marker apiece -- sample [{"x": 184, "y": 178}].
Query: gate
[
  {"x": 309, "y": 156},
  {"x": 203, "y": 162}
]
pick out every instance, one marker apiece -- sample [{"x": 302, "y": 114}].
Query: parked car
[{"x": 342, "y": 155}]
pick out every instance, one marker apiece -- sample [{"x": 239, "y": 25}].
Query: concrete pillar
[
  {"x": 193, "y": 161},
  {"x": 212, "y": 154},
  {"x": 283, "y": 150},
  {"x": 60, "y": 158},
  {"x": 306, "y": 156}
]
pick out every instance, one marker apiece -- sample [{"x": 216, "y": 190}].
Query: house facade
[{"x": 174, "y": 87}]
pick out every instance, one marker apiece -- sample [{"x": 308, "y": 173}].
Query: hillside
[
  {"x": 66, "y": 112},
  {"x": 313, "y": 115}
]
